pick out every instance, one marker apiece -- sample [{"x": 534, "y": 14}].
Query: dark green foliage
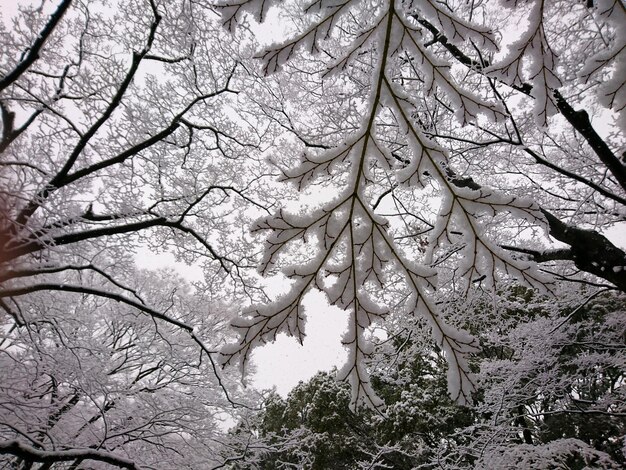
[
  {"x": 551, "y": 389},
  {"x": 317, "y": 416},
  {"x": 316, "y": 413}
]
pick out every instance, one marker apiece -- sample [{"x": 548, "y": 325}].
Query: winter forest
[{"x": 449, "y": 173}]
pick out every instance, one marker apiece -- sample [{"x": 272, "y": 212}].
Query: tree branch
[
  {"x": 54, "y": 183},
  {"x": 34, "y": 246},
  {"x": 33, "y": 53},
  {"x": 31, "y": 454},
  {"x": 542, "y": 256},
  {"x": 20, "y": 291},
  {"x": 578, "y": 119},
  {"x": 590, "y": 251}
]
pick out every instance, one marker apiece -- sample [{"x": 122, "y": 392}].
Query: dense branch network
[
  {"x": 428, "y": 160},
  {"x": 354, "y": 255},
  {"x": 29, "y": 453},
  {"x": 115, "y": 128}
]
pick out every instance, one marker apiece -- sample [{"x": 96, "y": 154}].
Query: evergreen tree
[{"x": 551, "y": 392}]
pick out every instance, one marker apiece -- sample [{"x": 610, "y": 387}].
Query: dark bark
[
  {"x": 54, "y": 418},
  {"x": 8, "y": 253},
  {"x": 19, "y": 291},
  {"x": 9, "y": 133},
  {"x": 58, "y": 180},
  {"x": 521, "y": 421},
  {"x": 31, "y": 454},
  {"x": 33, "y": 52},
  {"x": 578, "y": 119},
  {"x": 589, "y": 250}
]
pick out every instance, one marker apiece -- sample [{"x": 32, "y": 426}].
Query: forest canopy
[{"x": 446, "y": 172}]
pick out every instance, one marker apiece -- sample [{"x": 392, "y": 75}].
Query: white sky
[
  {"x": 284, "y": 363},
  {"x": 8, "y": 8}
]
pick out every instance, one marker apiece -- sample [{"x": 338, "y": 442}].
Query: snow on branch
[
  {"x": 612, "y": 91},
  {"x": 347, "y": 250},
  {"x": 457, "y": 30},
  {"x": 10, "y": 293},
  {"x": 461, "y": 209},
  {"x": 277, "y": 55},
  {"x": 436, "y": 75},
  {"x": 232, "y": 11},
  {"x": 532, "y": 58},
  {"x": 30, "y": 453}
]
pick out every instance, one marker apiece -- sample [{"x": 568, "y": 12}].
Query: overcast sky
[{"x": 284, "y": 363}]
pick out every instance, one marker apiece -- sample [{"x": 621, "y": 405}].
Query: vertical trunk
[{"x": 522, "y": 422}]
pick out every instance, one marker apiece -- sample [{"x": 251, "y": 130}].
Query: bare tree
[
  {"x": 434, "y": 148},
  {"x": 119, "y": 131},
  {"x": 120, "y": 388}
]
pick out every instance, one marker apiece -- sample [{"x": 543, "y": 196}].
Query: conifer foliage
[{"x": 550, "y": 395}]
